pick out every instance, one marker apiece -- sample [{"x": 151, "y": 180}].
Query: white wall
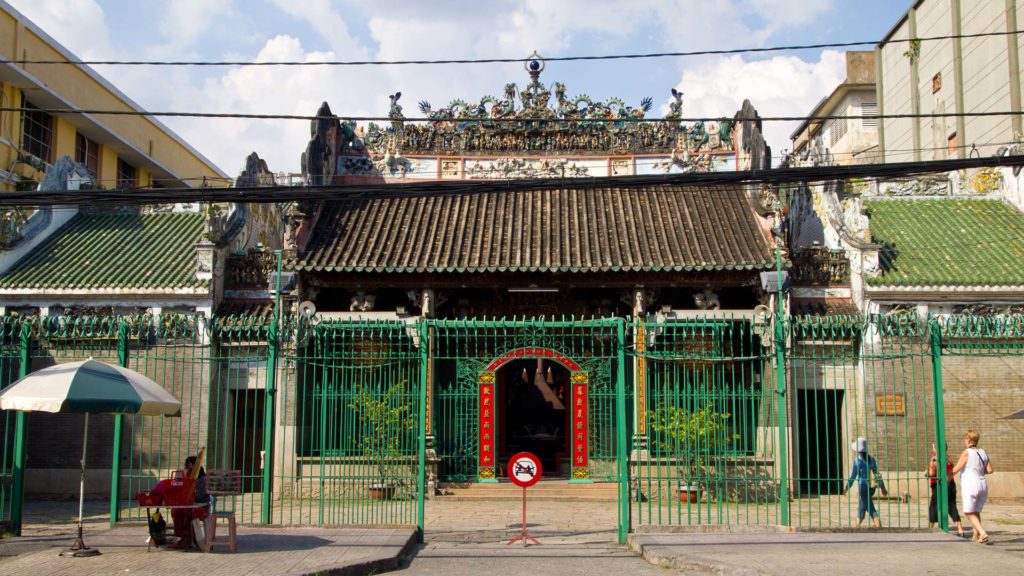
[{"x": 985, "y": 84}]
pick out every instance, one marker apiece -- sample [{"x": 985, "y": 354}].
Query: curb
[
  {"x": 374, "y": 566},
  {"x": 688, "y": 564}
]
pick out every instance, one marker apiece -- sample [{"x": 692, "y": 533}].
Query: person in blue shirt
[{"x": 864, "y": 471}]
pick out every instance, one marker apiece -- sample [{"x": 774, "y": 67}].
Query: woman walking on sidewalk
[{"x": 973, "y": 465}]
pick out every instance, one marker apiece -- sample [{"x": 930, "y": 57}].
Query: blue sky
[{"x": 777, "y": 84}]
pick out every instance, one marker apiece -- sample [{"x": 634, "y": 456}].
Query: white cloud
[
  {"x": 390, "y": 29},
  {"x": 297, "y": 90},
  {"x": 78, "y": 25},
  {"x": 780, "y": 86},
  {"x": 330, "y": 24},
  {"x": 186, "y": 21}
]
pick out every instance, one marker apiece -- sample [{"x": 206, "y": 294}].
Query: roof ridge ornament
[{"x": 534, "y": 65}]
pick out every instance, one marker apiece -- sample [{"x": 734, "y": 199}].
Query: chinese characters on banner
[
  {"x": 580, "y": 428},
  {"x": 486, "y": 420}
]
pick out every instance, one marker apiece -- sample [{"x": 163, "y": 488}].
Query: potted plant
[
  {"x": 386, "y": 423},
  {"x": 692, "y": 436}
]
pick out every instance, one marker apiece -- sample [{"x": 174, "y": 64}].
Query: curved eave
[
  {"x": 106, "y": 291},
  {"x": 759, "y": 266},
  {"x": 893, "y": 289}
]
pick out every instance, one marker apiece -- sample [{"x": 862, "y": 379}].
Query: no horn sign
[{"x": 524, "y": 469}]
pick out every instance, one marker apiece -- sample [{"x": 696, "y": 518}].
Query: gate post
[
  {"x": 935, "y": 340},
  {"x": 270, "y": 390},
  {"x": 780, "y": 388},
  {"x": 20, "y": 438},
  {"x": 620, "y": 431},
  {"x": 421, "y": 449},
  {"x": 273, "y": 342},
  {"x": 115, "y": 467}
]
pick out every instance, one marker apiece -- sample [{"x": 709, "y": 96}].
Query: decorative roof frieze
[{"x": 537, "y": 119}]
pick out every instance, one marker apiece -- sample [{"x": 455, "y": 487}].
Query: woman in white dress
[{"x": 973, "y": 465}]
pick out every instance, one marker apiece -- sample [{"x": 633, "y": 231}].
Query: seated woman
[{"x": 182, "y": 517}]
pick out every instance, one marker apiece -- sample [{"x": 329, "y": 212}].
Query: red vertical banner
[
  {"x": 580, "y": 426},
  {"x": 486, "y": 433}
]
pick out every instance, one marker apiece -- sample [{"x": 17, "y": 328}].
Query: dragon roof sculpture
[{"x": 538, "y": 120}]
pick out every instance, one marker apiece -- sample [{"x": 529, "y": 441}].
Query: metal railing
[{"x": 330, "y": 422}]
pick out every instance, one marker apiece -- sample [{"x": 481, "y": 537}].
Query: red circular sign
[{"x": 524, "y": 469}]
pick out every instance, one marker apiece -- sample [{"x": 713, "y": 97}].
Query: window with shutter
[{"x": 870, "y": 112}]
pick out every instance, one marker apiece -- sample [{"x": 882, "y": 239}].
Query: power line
[
  {"x": 513, "y": 60},
  {"x": 640, "y": 161},
  {"x": 276, "y": 194},
  {"x": 99, "y": 112}
]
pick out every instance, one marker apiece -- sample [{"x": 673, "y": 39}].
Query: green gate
[
  {"x": 555, "y": 388},
  {"x": 707, "y": 431},
  {"x": 12, "y": 367},
  {"x": 350, "y": 448},
  {"x": 324, "y": 418},
  {"x": 852, "y": 378},
  {"x": 543, "y": 386}
]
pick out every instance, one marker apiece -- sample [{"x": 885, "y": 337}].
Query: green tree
[
  {"x": 387, "y": 422},
  {"x": 694, "y": 435}
]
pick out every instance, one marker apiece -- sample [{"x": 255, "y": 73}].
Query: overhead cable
[
  {"x": 512, "y": 60},
  {"x": 622, "y": 120},
  {"x": 274, "y": 194}
]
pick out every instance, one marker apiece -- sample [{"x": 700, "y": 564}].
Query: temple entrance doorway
[{"x": 533, "y": 394}]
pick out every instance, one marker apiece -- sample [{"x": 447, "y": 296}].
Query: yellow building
[{"x": 119, "y": 151}]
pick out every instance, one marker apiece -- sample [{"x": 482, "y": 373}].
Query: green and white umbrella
[{"x": 88, "y": 387}]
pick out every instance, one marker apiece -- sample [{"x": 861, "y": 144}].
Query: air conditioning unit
[
  {"x": 770, "y": 281},
  {"x": 287, "y": 281}
]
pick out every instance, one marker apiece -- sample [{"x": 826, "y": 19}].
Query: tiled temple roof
[
  {"x": 114, "y": 252},
  {"x": 651, "y": 228},
  {"x": 947, "y": 243}
]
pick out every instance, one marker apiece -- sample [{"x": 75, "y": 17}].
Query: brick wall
[
  {"x": 150, "y": 446},
  {"x": 978, "y": 391}
]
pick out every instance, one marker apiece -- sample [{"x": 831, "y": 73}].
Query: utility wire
[
  {"x": 352, "y": 192},
  {"x": 642, "y": 161},
  {"x": 511, "y": 60},
  {"x": 99, "y": 112}
]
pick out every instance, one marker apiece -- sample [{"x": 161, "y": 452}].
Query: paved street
[{"x": 470, "y": 538}]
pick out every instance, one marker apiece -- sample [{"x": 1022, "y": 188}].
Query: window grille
[
  {"x": 87, "y": 153},
  {"x": 869, "y": 109},
  {"x": 36, "y": 132},
  {"x": 126, "y": 174}
]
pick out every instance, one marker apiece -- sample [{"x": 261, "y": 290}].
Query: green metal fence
[
  {"x": 329, "y": 421},
  {"x": 11, "y": 455},
  {"x": 706, "y": 443},
  {"x": 978, "y": 370},
  {"x": 724, "y": 443},
  {"x": 348, "y": 441},
  {"x": 861, "y": 378},
  {"x": 551, "y": 389}
]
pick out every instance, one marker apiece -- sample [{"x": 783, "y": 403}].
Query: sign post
[{"x": 524, "y": 470}]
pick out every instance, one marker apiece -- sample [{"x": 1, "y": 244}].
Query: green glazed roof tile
[
  {"x": 105, "y": 251},
  {"x": 947, "y": 243}
]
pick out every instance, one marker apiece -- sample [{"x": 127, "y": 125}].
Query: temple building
[{"x": 583, "y": 245}]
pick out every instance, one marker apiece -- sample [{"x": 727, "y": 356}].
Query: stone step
[{"x": 544, "y": 490}]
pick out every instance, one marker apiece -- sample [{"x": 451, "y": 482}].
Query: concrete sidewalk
[
  {"x": 469, "y": 538},
  {"x": 50, "y": 527},
  {"x": 812, "y": 553},
  {"x": 264, "y": 550}
]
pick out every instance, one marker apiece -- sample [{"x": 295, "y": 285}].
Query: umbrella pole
[{"x": 79, "y": 548}]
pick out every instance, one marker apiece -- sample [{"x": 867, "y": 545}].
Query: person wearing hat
[{"x": 865, "y": 473}]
